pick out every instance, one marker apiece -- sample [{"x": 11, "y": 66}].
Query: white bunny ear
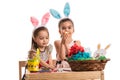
[
  {"x": 45, "y": 18},
  {"x": 34, "y": 21},
  {"x": 67, "y": 9},
  {"x": 107, "y": 46}
]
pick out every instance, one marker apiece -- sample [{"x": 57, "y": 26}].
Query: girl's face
[
  {"x": 66, "y": 27},
  {"x": 42, "y": 39}
]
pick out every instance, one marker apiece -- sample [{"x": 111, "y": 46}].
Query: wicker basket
[{"x": 88, "y": 65}]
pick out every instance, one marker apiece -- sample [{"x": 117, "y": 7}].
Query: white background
[{"x": 96, "y": 21}]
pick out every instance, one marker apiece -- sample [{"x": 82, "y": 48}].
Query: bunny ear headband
[
  {"x": 44, "y": 20},
  {"x": 57, "y": 15}
]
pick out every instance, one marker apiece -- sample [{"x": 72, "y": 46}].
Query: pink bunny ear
[
  {"x": 45, "y": 18},
  {"x": 34, "y": 21}
]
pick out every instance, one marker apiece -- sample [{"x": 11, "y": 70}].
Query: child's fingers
[
  {"x": 32, "y": 55},
  {"x": 65, "y": 35},
  {"x": 52, "y": 67}
]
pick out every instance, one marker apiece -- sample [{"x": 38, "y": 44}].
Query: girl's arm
[
  {"x": 63, "y": 51},
  {"x": 60, "y": 49},
  {"x": 51, "y": 62},
  {"x": 50, "y": 59},
  {"x": 56, "y": 44},
  {"x": 67, "y": 49},
  {"x": 43, "y": 63},
  {"x": 49, "y": 51}
]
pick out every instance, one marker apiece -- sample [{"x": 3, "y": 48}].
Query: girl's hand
[
  {"x": 51, "y": 67},
  {"x": 31, "y": 55},
  {"x": 65, "y": 37},
  {"x": 54, "y": 70}
]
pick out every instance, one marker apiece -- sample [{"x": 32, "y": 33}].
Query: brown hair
[
  {"x": 64, "y": 20},
  {"x": 35, "y": 34}
]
